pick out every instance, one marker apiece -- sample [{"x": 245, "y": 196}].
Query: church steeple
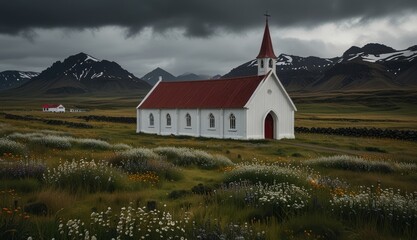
[{"x": 266, "y": 57}]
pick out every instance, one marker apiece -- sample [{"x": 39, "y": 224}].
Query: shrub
[
  {"x": 265, "y": 174},
  {"x": 84, "y": 176},
  {"x": 9, "y": 146},
  {"x": 121, "y": 146},
  {"x": 25, "y": 136},
  {"x": 22, "y": 169},
  {"x": 134, "y": 154},
  {"x": 142, "y": 160},
  {"x": 352, "y": 163},
  {"x": 90, "y": 143},
  {"x": 178, "y": 194},
  {"x": 60, "y": 140},
  {"x": 161, "y": 168},
  {"x": 52, "y": 141},
  {"x": 280, "y": 199},
  {"x": 283, "y": 198},
  {"x": 188, "y": 157},
  {"x": 201, "y": 189},
  {"x": 53, "y": 132},
  {"x": 385, "y": 206}
]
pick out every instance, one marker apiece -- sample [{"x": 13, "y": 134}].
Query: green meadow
[{"x": 107, "y": 182}]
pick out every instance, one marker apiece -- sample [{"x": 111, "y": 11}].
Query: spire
[{"x": 267, "y": 51}]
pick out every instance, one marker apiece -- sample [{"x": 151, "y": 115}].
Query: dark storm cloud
[{"x": 197, "y": 18}]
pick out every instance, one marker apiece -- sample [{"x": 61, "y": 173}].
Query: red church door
[{"x": 269, "y": 127}]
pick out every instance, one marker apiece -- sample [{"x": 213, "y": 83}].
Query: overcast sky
[{"x": 205, "y": 37}]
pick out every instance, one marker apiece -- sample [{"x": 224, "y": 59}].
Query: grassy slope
[{"x": 313, "y": 113}]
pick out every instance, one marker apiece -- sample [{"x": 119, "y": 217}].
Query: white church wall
[
  {"x": 200, "y": 122},
  {"x": 240, "y": 124},
  {"x": 138, "y": 124},
  {"x": 144, "y": 121},
  {"x": 183, "y": 129},
  {"x": 205, "y": 130},
  {"x": 165, "y": 128},
  {"x": 270, "y": 97}
]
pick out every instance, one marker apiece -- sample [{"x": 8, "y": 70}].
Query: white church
[{"x": 252, "y": 107}]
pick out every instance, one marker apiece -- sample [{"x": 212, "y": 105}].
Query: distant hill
[
  {"x": 82, "y": 73},
  {"x": 372, "y": 67},
  {"x": 153, "y": 76},
  {"x": 192, "y": 76},
  {"x": 355, "y": 76},
  {"x": 13, "y": 79}
]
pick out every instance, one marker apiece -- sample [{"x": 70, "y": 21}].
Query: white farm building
[
  {"x": 253, "y": 107},
  {"x": 53, "y": 108}
]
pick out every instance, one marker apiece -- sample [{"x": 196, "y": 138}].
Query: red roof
[
  {"x": 267, "y": 51},
  {"x": 50, "y": 105},
  {"x": 220, "y": 93}
]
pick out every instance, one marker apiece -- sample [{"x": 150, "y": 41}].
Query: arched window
[
  {"x": 262, "y": 63},
  {"x": 212, "y": 122},
  {"x": 270, "y": 63},
  {"x": 232, "y": 121},
  {"x": 151, "y": 120},
  {"x": 168, "y": 119},
  {"x": 188, "y": 120}
]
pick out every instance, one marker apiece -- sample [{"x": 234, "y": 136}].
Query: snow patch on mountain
[
  {"x": 91, "y": 58},
  {"x": 97, "y": 75},
  {"x": 386, "y": 57}
]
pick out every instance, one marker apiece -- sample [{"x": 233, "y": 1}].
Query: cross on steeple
[{"x": 267, "y": 15}]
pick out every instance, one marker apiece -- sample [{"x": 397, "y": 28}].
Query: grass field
[{"x": 312, "y": 187}]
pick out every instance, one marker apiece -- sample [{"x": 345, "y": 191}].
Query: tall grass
[
  {"x": 265, "y": 174},
  {"x": 90, "y": 143},
  {"x": 313, "y": 226},
  {"x": 84, "y": 176},
  {"x": 142, "y": 160},
  {"x": 51, "y": 141},
  {"x": 14, "y": 223},
  {"x": 62, "y": 140},
  {"x": 22, "y": 169},
  {"x": 8, "y": 146},
  {"x": 189, "y": 156},
  {"x": 131, "y": 223},
  {"x": 387, "y": 207},
  {"x": 140, "y": 223},
  {"x": 137, "y": 154},
  {"x": 212, "y": 229},
  {"x": 25, "y": 136},
  {"x": 280, "y": 199},
  {"x": 121, "y": 146},
  {"x": 55, "y": 199}
]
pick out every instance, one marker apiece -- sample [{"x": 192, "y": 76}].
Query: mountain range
[
  {"x": 368, "y": 68},
  {"x": 372, "y": 67},
  {"x": 13, "y": 79},
  {"x": 82, "y": 73}
]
